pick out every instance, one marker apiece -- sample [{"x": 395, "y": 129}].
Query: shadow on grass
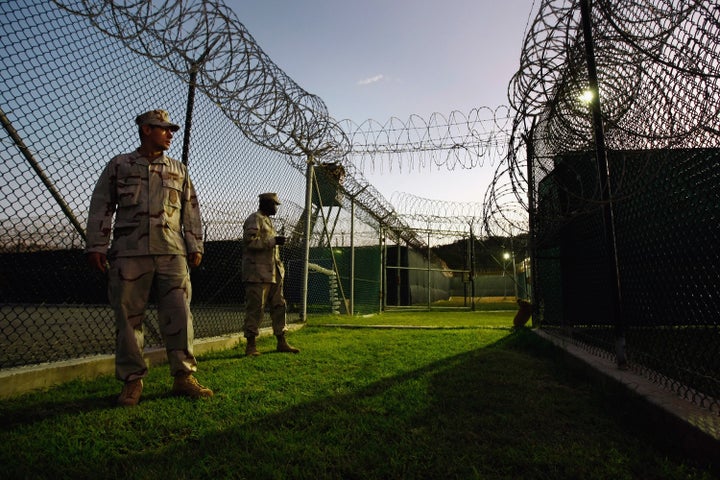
[
  {"x": 513, "y": 409},
  {"x": 35, "y": 407}
]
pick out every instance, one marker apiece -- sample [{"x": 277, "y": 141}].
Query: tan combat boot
[
  {"x": 130, "y": 395},
  {"x": 251, "y": 349},
  {"x": 187, "y": 385},
  {"x": 284, "y": 347}
]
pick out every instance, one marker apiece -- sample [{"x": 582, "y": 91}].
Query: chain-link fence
[
  {"x": 70, "y": 92},
  {"x": 618, "y": 117}
]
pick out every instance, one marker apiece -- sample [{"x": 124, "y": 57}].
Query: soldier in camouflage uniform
[
  {"x": 156, "y": 237},
  {"x": 262, "y": 274}
]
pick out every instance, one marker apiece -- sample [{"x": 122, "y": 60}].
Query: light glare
[{"x": 587, "y": 97}]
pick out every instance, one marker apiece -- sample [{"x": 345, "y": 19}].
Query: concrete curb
[
  {"x": 20, "y": 380},
  {"x": 695, "y": 430}
]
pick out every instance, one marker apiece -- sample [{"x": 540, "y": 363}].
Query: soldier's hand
[
  {"x": 279, "y": 240},
  {"x": 194, "y": 259},
  {"x": 97, "y": 261}
]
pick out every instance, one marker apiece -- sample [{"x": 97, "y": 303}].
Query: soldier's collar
[{"x": 159, "y": 159}]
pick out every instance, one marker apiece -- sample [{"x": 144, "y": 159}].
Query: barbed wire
[
  {"x": 205, "y": 42},
  {"x": 458, "y": 140},
  {"x": 657, "y": 63},
  {"x": 425, "y": 213},
  {"x": 474, "y": 140}
]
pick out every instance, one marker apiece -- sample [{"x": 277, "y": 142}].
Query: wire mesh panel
[{"x": 618, "y": 108}]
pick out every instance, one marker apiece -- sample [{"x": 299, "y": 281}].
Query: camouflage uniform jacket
[
  {"x": 261, "y": 257},
  {"x": 155, "y": 206}
]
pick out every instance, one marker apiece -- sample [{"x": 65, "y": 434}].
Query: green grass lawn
[
  {"x": 389, "y": 403},
  {"x": 435, "y": 318}
]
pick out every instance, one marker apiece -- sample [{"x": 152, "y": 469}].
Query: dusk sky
[{"x": 378, "y": 59}]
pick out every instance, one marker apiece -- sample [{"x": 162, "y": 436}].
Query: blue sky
[{"x": 377, "y": 59}]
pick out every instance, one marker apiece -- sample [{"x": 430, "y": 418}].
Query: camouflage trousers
[
  {"x": 257, "y": 295},
  {"x": 129, "y": 283}
]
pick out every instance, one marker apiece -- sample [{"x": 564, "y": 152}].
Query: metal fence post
[
  {"x": 41, "y": 173},
  {"x": 309, "y": 178},
  {"x": 605, "y": 187}
]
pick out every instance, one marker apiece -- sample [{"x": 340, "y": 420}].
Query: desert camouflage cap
[
  {"x": 159, "y": 118},
  {"x": 270, "y": 196}
]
